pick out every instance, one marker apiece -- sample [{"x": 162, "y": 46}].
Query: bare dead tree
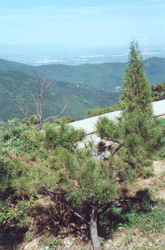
[{"x": 40, "y": 83}]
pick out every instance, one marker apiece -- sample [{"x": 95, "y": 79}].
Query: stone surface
[
  {"x": 67, "y": 243},
  {"x": 33, "y": 245}
]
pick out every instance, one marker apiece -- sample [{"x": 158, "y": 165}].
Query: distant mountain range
[
  {"x": 105, "y": 76},
  {"x": 86, "y": 86}
]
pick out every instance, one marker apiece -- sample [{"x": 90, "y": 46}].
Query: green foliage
[
  {"x": 145, "y": 215},
  {"x": 102, "y": 241},
  {"x": 149, "y": 222},
  {"x": 76, "y": 171},
  {"x": 34, "y": 119},
  {"x": 106, "y": 128},
  {"x": 138, "y": 132},
  {"x": 13, "y": 217},
  {"x": 99, "y": 111},
  {"x": 158, "y": 91},
  {"x": 66, "y": 119},
  {"x": 63, "y": 135},
  {"x": 16, "y": 136},
  {"x": 9, "y": 216},
  {"x": 103, "y": 76},
  {"x": 136, "y": 90},
  {"x": 110, "y": 218},
  {"x": 80, "y": 97},
  {"x": 93, "y": 179},
  {"x": 10, "y": 129},
  {"x": 128, "y": 238},
  {"x": 6, "y": 171},
  {"x": 52, "y": 242},
  {"x": 160, "y": 152}
]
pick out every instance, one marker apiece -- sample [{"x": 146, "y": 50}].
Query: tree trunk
[{"x": 93, "y": 227}]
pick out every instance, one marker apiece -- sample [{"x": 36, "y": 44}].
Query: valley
[{"x": 84, "y": 87}]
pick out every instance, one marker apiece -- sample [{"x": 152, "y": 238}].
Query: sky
[{"x": 81, "y": 24}]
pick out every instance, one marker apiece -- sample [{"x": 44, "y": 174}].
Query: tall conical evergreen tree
[
  {"x": 136, "y": 90},
  {"x": 138, "y": 126},
  {"x": 137, "y": 132}
]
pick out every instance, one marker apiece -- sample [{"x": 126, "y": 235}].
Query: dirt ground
[{"x": 78, "y": 236}]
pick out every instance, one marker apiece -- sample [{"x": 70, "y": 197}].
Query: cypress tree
[
  {"x": 137, "y": 133},
  {"x": 138, "y": 126},
  {"x": 136, "y": 90}
]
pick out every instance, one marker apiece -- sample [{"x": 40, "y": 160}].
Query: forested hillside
[
  {"x": 80, "y": 97},
  {"x": 105, "y": 76},
  {"x": 84, "y": 87}
]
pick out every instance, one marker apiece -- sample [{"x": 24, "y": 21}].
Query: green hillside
[
  {"x": 80, "y": 97},
  {"x": 105, "y": 76},
  {"x": 155, "y": 70},
  {"x": 9, "y": 65}
]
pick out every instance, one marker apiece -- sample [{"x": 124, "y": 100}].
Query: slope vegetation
[{"x": 80, "y": 97}]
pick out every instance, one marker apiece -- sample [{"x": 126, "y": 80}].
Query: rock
[
  {"x": 33, "y": 245},
  {"x": 130, "y": 248},
  {"x": 47, "y": 248},
  {"x": 107, "y": 246},
  {"x": 67, "y": 243},
  {"x": 110, "y": 242},
  {"x": 42, "y": 132},
  {"x": 149, "y": 244}
]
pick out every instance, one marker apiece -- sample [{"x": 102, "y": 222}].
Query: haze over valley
[{"x": 39, "y": 54}]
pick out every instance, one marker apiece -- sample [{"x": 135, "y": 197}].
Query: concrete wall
[{"x": 89, "y": 124}]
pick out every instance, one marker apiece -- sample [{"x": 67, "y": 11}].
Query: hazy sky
[{"x": 82, "y": 23}]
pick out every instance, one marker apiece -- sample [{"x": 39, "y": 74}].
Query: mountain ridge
[{"x": 105, "y": 76}]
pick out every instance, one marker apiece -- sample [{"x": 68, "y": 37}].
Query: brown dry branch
[
  {"x": 40, "y": 83},
  {"x": 43, "y": 187}
]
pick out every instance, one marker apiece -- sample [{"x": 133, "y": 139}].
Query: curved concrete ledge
[{"x": 89, "y": 124}]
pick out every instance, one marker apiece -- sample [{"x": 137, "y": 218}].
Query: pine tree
[
  {"x": 86, "y": 182},
  {"x": 94, "y": 188},
  {"x": 136, "y": 90},
  {"x": 139, "y": 129},
  {"x": 138, "y": 133}
]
